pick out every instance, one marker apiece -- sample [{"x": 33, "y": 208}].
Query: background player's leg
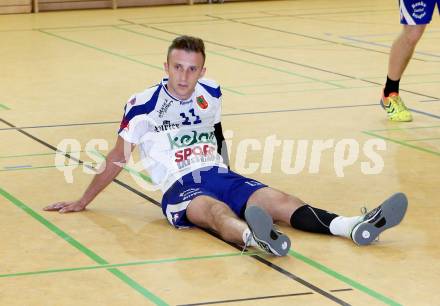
[{"x": 403, "y": 49}]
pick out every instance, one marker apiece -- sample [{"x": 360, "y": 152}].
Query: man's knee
[
  {"x": 206, "y": 211},
  {"x": 219, "y": 210}
]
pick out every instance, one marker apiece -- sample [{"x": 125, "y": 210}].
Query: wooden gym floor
[{"x": 299, "y": 70}]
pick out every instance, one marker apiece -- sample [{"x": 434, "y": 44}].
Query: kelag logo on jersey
[
  {"x": 186, "y": 140},
  {"x": 201, "y": 102}
]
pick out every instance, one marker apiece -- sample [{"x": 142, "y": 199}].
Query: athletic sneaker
[
  {"x": 385, "y": 216},
  {"x": 395, "y": 108},
  {"x": 266, "y": 236}
]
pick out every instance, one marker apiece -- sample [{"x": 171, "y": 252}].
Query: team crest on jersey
[{"x": 201, "y": 102}]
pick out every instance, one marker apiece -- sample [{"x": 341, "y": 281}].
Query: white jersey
[{"x": 176, "y": 137}]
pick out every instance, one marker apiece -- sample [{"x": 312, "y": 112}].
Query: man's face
[{"x": 184, "y": 69}]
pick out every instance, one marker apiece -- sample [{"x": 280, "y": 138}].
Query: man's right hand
[{"x": 66, "y": 207}]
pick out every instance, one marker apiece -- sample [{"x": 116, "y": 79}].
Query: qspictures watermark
[{"x": 297, "y": 156}]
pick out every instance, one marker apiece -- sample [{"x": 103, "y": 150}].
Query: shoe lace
[
  {"x": 246, "y": 244},
  {"x": 398, "y": 103}
]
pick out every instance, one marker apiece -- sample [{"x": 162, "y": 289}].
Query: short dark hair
[{"x": 187, "y": 43}]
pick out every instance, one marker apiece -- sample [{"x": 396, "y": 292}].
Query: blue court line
[
  {"x": 231, "y": 57},
  {"x": 432, "y": 100},
  {"x": 83, "y": 249},
  {"x": 29, "y": 167},
  {"x": 406, "y": 128},
  {"x": 228, "y": 115},
  {"x": 299, "y": 109},
  {"x": 394, "y": 34},
  {"x": 424, "y": 113},
  {"x": 17, "y": 167},
  {"x": 61, "y": 125},
  {"x": 372, "y": 43},
  {"x": 39, "y": 154},
  {"x": 223, "y": 115}
]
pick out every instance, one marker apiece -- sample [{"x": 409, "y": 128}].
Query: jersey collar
[{"x": 165, "y": 82}]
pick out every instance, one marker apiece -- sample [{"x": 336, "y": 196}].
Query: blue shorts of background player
[{"x": 414, "y": 12}]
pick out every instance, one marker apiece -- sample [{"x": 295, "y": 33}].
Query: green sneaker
[{"x": 395, "y": 108}]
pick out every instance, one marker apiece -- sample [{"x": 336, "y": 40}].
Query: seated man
[{"x": 177, "y": 126}]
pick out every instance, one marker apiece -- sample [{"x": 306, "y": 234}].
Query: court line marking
[
  {"x": 331, "y": 273},
  {"x": 99, "y": 49},
  {"x": 344, "y": 279},
  {"x": 244, "y": 50},
  {"x": 153, "y": 201},
  {"x": 430, "y": 100},
  {"x": 357, "y": 40},
  {"x": 16, "y": 167},
  {"x": 4, "y": 107},
  {"x": 283, "y": 60},
  {"x": 305, "y": 259},
  {"x": 30, "y": 167},
  {"x": 344, "y": 44},
  {"x": 38, "y": 154},
  {"x": 223, "y": 115},
  {"x": 250, "y": 62},
  {"x": 179, "y": 16},
  {"x": 227, "y": 115},
  {"x": 248, "y": 299},
  {"x": 424, "y": 113},
  {"x": 126, "y": 168},
  {"x": 80, "y": 247},
  {"x": 291, "y": 62},
  {"x": 44, "y": 143},
  {"x": 118, "y": 54},
  {"x": 406, "y": 128},
  {"x": 128, "y": 264},
  {"x": 231, "y": 57},
  {"x": 403, "y": 143},
  {"x": 60, "y": 125},
  {"x": 253, "y": 254},
  {"x": 298, "y": 279},
  {"x": 423, "y": 139}
]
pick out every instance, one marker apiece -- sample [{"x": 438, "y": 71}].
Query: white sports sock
[
  {"x": 342, "y": 226},
  {"x": 248, "y": 238}
]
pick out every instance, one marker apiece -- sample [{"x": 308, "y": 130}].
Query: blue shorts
[
  {"x": 216, "y": 182},
  {"x": 414, "y": 12}
]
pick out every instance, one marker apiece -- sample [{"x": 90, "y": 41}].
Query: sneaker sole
[
  {"x": 261, "y": 225},
  {"x": 392, "y": 210}
]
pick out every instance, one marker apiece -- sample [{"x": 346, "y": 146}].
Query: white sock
[
  {"x": 246, "y": 235},
  {"x": 342, "y": 226}
]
